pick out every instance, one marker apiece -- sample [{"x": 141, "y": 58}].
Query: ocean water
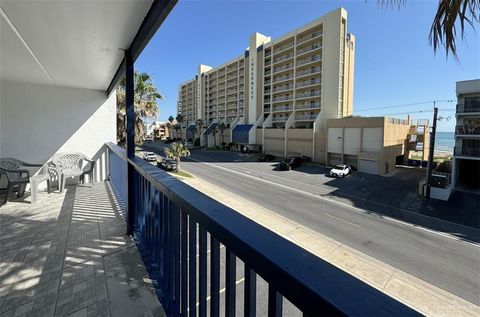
[{"x": 444, "y": 142}]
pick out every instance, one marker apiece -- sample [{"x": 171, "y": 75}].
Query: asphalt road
[{"x": 447, "y": 263}]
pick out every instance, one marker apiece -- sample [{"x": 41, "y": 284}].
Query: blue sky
[{"x": 394, "y": 63}]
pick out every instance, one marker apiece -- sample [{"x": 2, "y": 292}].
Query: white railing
[
  {"x": 282, "y": 88},
  {"x": 286, "y": 77},
  {"x": 309, "y": 37},
  {"x": 282, "y": 48},
  {"x": 308, "y": 83},
  {"x": 282, "y": 58},
  {"x": 306, "y": 117},
  {"x": 281, "y": 68},
  {"x": 307, "y": 49},
  {"x": 307, "y": 106},
  {"x": 282, "y": 98},
  {"x": 309, "y": 71},
  {"x": 308, "y": 60},
  {"x": 308, "y": 94},
  {"x": 282, "y": 108}
]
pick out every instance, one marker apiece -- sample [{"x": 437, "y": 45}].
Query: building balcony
[
  {"x": 279, "y": 119},
  {"x": 308, "y": 83},
  {"x": 469, "y": 108},
  {"x": 282, "y": 68},
  {"x": 283, "y": 58},
  {"x": 282, "y": 108},
  {"x": 310, "y": 37},
  {"x": 283, "y": 48},
  {"x": 282, "y": 78},
  {"x": 307, "y": 106},
  {"x": 312, "y": 59},
  {"x": 308, "y": 49},
  {"x": 471, "y": 152},
  {"x": 467, "y": 131},
  {"x": 282, "y": 88},
  {"x": 282, "y": 98},
  {"x": 306, "y": 117},
  {"x": 308, "y": 72},
  {"x": 308, "y": 94}
]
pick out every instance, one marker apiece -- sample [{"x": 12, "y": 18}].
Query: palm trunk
[{"x": 178, "y": 164}]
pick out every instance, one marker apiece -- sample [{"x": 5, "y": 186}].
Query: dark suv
[{"x": 290, "y": 163}]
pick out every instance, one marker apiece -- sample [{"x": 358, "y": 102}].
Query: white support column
[
  {"x": 266, "y": 124},
  {"x": 288, "y": 124},
  {"x": 252, "y": 134}
]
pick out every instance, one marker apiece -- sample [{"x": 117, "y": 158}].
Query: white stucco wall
[
  {"x": 372, "y": 139},
  {"x": 335, "y": 140},
  {"x": 37, "y": 121},
  {"x": 352, "y": 141}
]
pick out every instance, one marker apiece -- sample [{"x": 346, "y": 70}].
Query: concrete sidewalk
[{"x": 424, "y": 297}]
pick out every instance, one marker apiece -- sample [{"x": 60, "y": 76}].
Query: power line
[{"x": 403, "y": 105}]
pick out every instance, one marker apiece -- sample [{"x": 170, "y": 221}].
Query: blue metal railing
[{"x": 174, "y": 225}]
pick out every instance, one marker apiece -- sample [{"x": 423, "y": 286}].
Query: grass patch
[{"x": 181, "y": 174}]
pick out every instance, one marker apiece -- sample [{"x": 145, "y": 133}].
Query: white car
[
  {"x": 149, "y": 156},
  {"x": 340, "y": 170}
]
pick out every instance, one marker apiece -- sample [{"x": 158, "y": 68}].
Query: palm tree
[
  {"x": 200, "y": 125},
  {"x": 221, "y": 127},
  {"x": 171, "y": 119},
  {"x": 145, "y": 105},
  {"x": 214, "y": 133},
  {"x": 176, "y": 151},
  {"x": 450, "y": 14},
  {"x": 169, "y": 127},
  {"x": 177, "y": 128},
  {"x": 179, "y": 119}
]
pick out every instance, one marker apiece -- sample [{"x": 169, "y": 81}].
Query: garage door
[
  {"x": 370, "y": 167},
  {"x": 334, "y": 158}
]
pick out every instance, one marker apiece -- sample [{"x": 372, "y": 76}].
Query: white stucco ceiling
[{"x": 66, "y": 43}]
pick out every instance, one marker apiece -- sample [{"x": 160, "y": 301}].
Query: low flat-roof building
[{"x": 372, "y": 145}]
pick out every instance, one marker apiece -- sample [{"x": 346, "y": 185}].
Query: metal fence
[{"x": 179, "y": 232}]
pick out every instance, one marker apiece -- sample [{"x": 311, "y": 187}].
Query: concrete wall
[
  {"x": 275, "y": 141},
  {"x": 299, "y": 142},
  {"x": 259, "y": 136},
  {"x": 37, "y": 121},
  {"x": 320, "y": 139}
]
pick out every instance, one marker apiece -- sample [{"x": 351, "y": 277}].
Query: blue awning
[
  {"x": 212, "y": 127},
  {"x": 240, "y": 133}
]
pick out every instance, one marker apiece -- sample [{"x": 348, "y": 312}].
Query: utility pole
[{"x": 431, "y": 151}]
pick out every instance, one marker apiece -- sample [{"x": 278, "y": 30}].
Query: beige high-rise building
[{"x": 290, "y": 84}]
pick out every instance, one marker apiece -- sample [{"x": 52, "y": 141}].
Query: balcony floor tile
[{"x": 68, "y": 255}]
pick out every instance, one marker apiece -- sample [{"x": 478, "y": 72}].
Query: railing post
[{"x": 130, "y": 140}]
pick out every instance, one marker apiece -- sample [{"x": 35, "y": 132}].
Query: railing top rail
[{"x": 312, "y": 284}]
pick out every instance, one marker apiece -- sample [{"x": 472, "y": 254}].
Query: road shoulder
[{"x": 420, "y": 295}]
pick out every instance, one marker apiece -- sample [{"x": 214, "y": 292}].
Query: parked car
[
  {"x": 189, "y": 144},
  {"x": 266, "y": 158},
  {"x": 148, "y": 138},
  {"x": 290, "y": 163},
  {"x": 169, "y": 140},
  {"x": 340, "y": 170},
  {"x": 167, "y": 164},
  {"x": 149, "y": 156}
]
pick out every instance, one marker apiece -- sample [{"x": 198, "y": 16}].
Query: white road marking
[
  {"x": 339, "y": 219},
  {"x": 224, "y": 289},
  {"x": 338, "y": 202}
]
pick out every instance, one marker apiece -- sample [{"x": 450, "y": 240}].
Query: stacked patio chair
[
  {"x": 18, "y": 174},
  {"x": 71, "y": 165}
]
